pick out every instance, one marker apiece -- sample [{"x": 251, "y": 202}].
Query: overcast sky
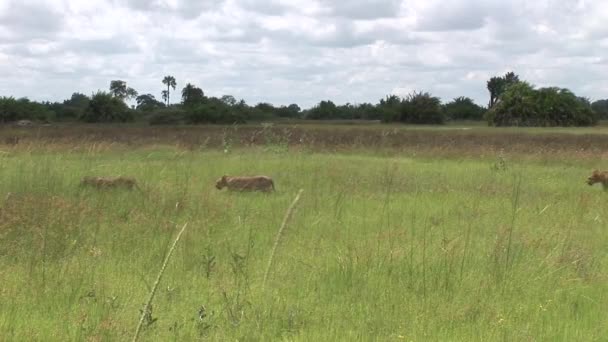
[{"x": 302, "y": 51}]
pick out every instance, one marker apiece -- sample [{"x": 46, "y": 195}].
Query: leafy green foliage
[
  {"x": 167, "y": 116},
  {"x": 147, "y": 103},
  {"x": 169, "y": 81},
  {"x": 213, "y": 111},
  {"x": 522, "y": 105},
  {"x": 390, "y": 106},
  {"x": 601, "y": 108},
  {"x": 324, "y": 110},
  {"x": 291, "y": 111},
  {"x": 104, "y": 107},
  {"x": 497, "y": 85},
  {"x": 463, "y": 108},
  {"x": 120, "y": 90},
  {"x": 192, "y": 95},
  {"x": 12, "y": 109},
  {"x": 421, "y": 108}
]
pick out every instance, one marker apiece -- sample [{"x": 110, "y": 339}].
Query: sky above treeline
[{"x": 301, "y": 51}]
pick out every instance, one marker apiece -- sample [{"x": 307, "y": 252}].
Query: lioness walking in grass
[
  {"x": 253, "y": 183},
  {"x": 599, "y": 177}
]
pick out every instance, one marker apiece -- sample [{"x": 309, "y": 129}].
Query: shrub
[
  {"x": 167, "y": 117},
  {"x": 421, "y": 108},
  {"x": 463, "y": 108},
  {"x": 103, "y": 107},
  {"x": 522, "y": 105},
  {"x": 213, "y": 111},
  {"x": 601, "y": 108},
  {"x": 12, "y": 109}
]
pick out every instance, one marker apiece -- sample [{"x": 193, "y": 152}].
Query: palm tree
[
  {"x": 170, "y": 82},
  {"x": 495, "y": 85}
]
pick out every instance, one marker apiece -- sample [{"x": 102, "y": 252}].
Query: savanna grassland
[{"x": 400, "y": 234}]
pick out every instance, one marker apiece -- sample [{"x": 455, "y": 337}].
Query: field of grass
[{"x": 462, "y": 239}]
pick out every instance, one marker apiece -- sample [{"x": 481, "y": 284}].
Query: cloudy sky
[{"x": 302, "y": 51}]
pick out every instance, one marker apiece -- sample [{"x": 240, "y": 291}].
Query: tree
[
  {"x": 463, "y": 108},
  {"x": 165, "y": 95},
  {"x": 170, "y": 82},
  {"x": 147, "y": 102},
  {"x": 104, "y": 107},
  {"x": 73, "y": 107},
  {"x": 120, "y": 90},
  {"x": 522, "y": 105},
  {"x": 213, "y": 111},
  {"x": 390, "y": 107},
  {"x": 497, "y": 85},
  {"x": 421, "y": 108},
  {"x": 192, "y": 95},
  {"x": 601, "y": 108},
  {"x": 324, "y": 110},
  {"x": 12, "y": 109},
  {"x": 229, "y": 100}
]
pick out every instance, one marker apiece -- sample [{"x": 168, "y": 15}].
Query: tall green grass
[{"x": 381, "y": 248}]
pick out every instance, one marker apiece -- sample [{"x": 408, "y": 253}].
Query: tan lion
[
  {"x": 253, "y": 183},
  {"x": 599, "y": 177},
  {"x": 109, "y": 182}
]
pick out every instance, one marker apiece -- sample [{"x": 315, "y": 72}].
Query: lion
[
  {"x": 109, "y": 182},
  {"x": 599, "y": 177},
  {"x": 250, "y": 183}
]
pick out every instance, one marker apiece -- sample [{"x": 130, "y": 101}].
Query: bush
[
  {"x": 463, "y": 108},
  {"x": 23, "y": 109},
  {"x": 421, "y": 108},
  {"x": 601, "y": 108},
  {"x": 522, "y": 105},
  {"x": 324, "y": 110},
  {"x": 167, "y": 117},
  {"x": 213, "y": 111},
  {"x": 103, "y": 107}
]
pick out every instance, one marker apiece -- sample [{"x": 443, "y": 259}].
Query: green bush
[
  {"x": 167, "y": 117},
  {"x": 103, "y": 107},
  {"x": 463, "y": 108},
  {"x": 12, "y": 109},
  {"x": 522, "y": 105},
  {"x": 421, "y": 108},
  {"x": 213, "y": 111},
  {"x": 601, "y": 108}
]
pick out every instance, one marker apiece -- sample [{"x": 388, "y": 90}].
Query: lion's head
[
  {"x": 220, "y": 183},
  {"x": 597, "y": 177}
]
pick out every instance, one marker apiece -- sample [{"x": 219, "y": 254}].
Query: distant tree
[
  {"x": 73, "y": 107},
  {"x": 169, "y": 81},
  {"x": 522, "y": 105},
  {"x": 120, "y": 90},
  {"x": 192, "y": 95},
  {"x": 389, "y": 107},
  {"x": 601, "y": 108},
  {"x": 165, "y": 95},
  {"x": 463, "y": 108},
  {"x": 104, "y": 107},
  {"x": 147, "y": 102},
  {"x": 497, "y": 85},
  {"x": 324, "y": 110},
  {"x": 421, "y": 108},
  {"x": 229, "y": 100},
  {"x": 213, "y": 111},
  {"x": 12, "y": 109},
  {"x": 291, "y": 111}
]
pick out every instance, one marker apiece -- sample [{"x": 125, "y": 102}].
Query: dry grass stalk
[
  {"x": 160, "y": 274},
  {"x": 279, "y": 234}
]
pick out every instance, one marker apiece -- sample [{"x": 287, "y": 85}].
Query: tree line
[{"x": 512, "y": 102}]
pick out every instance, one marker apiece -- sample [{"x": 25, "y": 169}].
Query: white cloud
[{"x": 303, "y": 51}]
